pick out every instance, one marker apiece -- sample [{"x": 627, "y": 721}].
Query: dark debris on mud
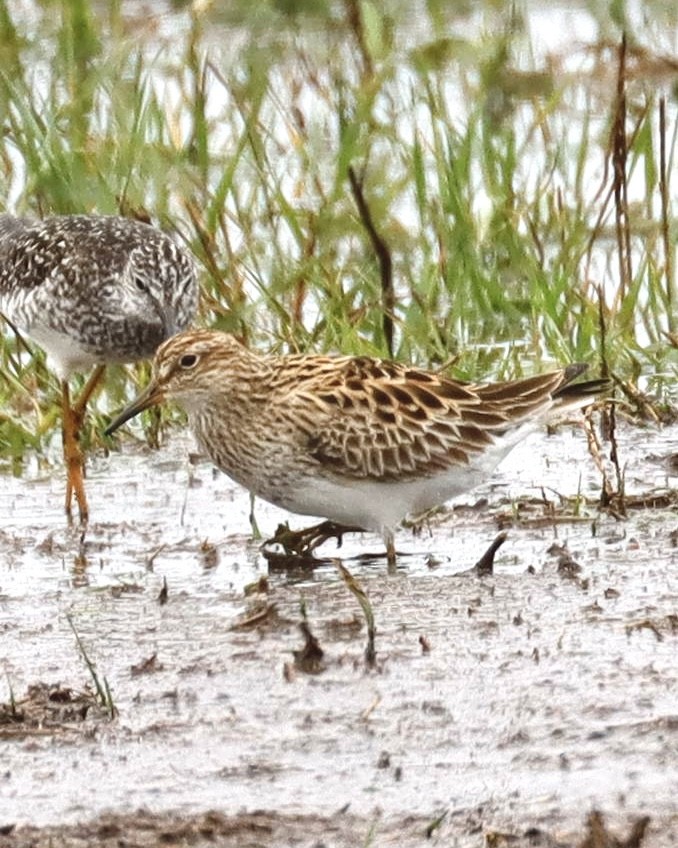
[
  {"x": 601, "y": 589},
  {"x": 261, "y": 829},
  {"x": 48, "y": 709}
]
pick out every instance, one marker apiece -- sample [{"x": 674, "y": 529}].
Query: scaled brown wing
[{"x": 383, "y": 420}]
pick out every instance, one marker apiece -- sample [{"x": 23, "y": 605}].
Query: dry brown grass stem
[
  {"x": 619, "y": 157},
  {"x": 665, "y": 215},
  {"x": 383, "y": 253}
]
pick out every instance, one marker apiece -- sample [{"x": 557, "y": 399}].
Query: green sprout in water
[{"x": 101, "y": 688}]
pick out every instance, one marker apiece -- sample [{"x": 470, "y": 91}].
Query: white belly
[{"x": 380, "y": 505}]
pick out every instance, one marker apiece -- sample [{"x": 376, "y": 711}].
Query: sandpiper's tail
[{"x": 571, "y": 395}]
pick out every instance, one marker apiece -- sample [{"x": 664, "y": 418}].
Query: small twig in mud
[
  {"x": 255, "y": 617},
  {"x": 184, "y": 505},
  {"x": 568, "y": 567},
  {"x": 151, "y": 557},
  {"x": 372, "y": 707},
  {"x": 12, "y": 700},
  {"x": 256, "y": 532},
  {"x": 103, "y": 690},
  {"x": 645, "y": 624},
  {"x": 81, "y": 560},
  {"x": 384, "y": 258},
  {"x": 610, "y": 421},
  {"x": 609, "y": 415},
  {"x": 163, "y": 594},
  {"x": 365, "y": 605},
  {"x": 529, "y": 512},
  {"x": 485, "y": 564},
  {"x": 435, "y": 824},
  {"x": 259, "y": 586},
  {"x": 309, "y": 658},
  {"x": 209, "y": 554},
  {"x": 610, "y": 498},
  {"x": 108, "y": 702},
  {"x": 597, "y": 455},
  {"x": 148, "y": 666},
  {"x": 645, "y": 406},
  {"x": 598, "y": 835}
]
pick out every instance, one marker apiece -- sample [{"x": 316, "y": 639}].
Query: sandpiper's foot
[
  {"x": 303, "y": 542},
  {"x": 73, "y": 417}
]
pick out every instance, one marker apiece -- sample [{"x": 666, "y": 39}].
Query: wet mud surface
[{"x": 501, "y": 709}]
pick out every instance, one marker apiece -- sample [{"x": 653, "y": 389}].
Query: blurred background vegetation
[{"x": 485, "y": 187}]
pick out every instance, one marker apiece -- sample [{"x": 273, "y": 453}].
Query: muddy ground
[{"x": 501, "y": 710}]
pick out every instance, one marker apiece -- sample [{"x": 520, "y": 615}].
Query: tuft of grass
[
  {"x": 349, "y": 182},
  {"x": 12, "y": 700},
  {"x": 357, "y": 590},
  {"x": 101, "y": 687}
]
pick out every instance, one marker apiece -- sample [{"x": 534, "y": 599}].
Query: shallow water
[{"x": 535, "y": 703}]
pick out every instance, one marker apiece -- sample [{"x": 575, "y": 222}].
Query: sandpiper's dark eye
[
  {"x": 140, "y": 283},
  {"x": 188, "y": 360}
]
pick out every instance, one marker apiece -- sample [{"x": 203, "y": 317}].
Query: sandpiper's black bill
[{"x": 149, "y": 397}]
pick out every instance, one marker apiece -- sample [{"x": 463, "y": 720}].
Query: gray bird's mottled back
[{"x": 94, "y": 289}]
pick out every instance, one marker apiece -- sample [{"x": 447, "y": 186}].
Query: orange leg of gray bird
[{"x": 73, "y": 416}]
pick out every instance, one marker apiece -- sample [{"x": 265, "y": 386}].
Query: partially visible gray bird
[{"x": 92, "y": 290}]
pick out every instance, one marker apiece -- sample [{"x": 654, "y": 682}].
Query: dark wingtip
[
  {"x": 570, "y": 391},
  {"x": 571, "y": 372}
]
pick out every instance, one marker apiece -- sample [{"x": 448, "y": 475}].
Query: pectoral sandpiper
[
  {"x": 91, "y": 290},
  {"x": 363, "y": 442}
]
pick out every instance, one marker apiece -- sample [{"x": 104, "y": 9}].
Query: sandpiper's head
[
  {"x": 116, "y": 288},
  {"x": 186, "y": 368},
  {"x": 159, "y": 280}
]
